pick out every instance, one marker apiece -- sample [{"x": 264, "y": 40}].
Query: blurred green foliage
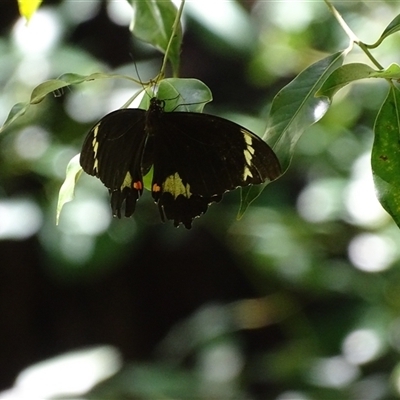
[{"x": 321, "y": 255}]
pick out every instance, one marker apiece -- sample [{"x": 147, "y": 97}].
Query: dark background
[{"x": 142, "y": 277}]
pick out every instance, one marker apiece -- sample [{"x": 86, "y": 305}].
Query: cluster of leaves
[{"x": 300, "y": 104}]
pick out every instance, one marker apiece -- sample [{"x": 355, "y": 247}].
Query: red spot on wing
[{"x": 138, "y": 185}]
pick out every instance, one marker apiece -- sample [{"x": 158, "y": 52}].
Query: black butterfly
[{"x": 196, "y": 158}]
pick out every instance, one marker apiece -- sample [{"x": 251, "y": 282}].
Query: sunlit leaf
[
  {"x": 28, "y": 7},
  {"x": 16, "y": 111},
  {"x": 386, "y": 154},
  {"x": 293, "y": 110},
  {"x": 153, "y": 23},
  {"x": 73, "y": 79},
  {"x": 393, "y": 27},
  {"x": 181, "y": 94},
  {"x": 54, "y": 85},
  {"x": 42, "y": 90},
  {"x": 67, "y": 189},
  {"x": 344, "y": 75},
  {"x": 391, "y": 72},
  {"x": 190, "y": 94}
]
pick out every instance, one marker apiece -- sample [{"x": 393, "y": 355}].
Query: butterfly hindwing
[
  {"x": 113, "y": 152},
  {"x": 198, "y": 157}
]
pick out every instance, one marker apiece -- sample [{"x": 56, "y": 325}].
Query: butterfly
[{"x": 196, "y": 158}]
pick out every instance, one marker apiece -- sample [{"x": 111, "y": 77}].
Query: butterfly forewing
[{"x": 113, "y": 152}]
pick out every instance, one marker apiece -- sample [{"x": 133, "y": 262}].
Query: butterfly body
[{"x": 196, "y": 158}]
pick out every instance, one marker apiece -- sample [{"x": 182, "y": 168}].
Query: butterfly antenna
[{"x": 187, "y": 104}]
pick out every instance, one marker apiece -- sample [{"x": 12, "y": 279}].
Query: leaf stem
[
  {"x": 364, "y": 48},
  {"x": 175, "y": 28},
  {"x": 353, "y": 37}
]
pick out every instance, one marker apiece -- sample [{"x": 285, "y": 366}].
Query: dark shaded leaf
[{"x": 386, "y": 154}]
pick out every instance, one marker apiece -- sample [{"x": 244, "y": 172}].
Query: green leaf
[
  {"x": 296, "y": 107},
  {"x": 293, "y": 110},
  {"x": 67, "y": 189},
  {"x": 73, "y": 79},
  {"x": 393, "y": 27},
  {"x": 392, "y": 72},
  {"x": 386, "y": 154},
  {"x": 51, "y": 86},
  {"x": 344, "y": 75},
  {"x": 180, "y": 94},
  {"x": 153, "y": 23},
  {"x": 16, "y": 111},
  {"x": 148, "y": 179},
  {"x": 145, "y": 102},
  {"x": 42, "y": 90},
  {"x": 184, "y": 94}
]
